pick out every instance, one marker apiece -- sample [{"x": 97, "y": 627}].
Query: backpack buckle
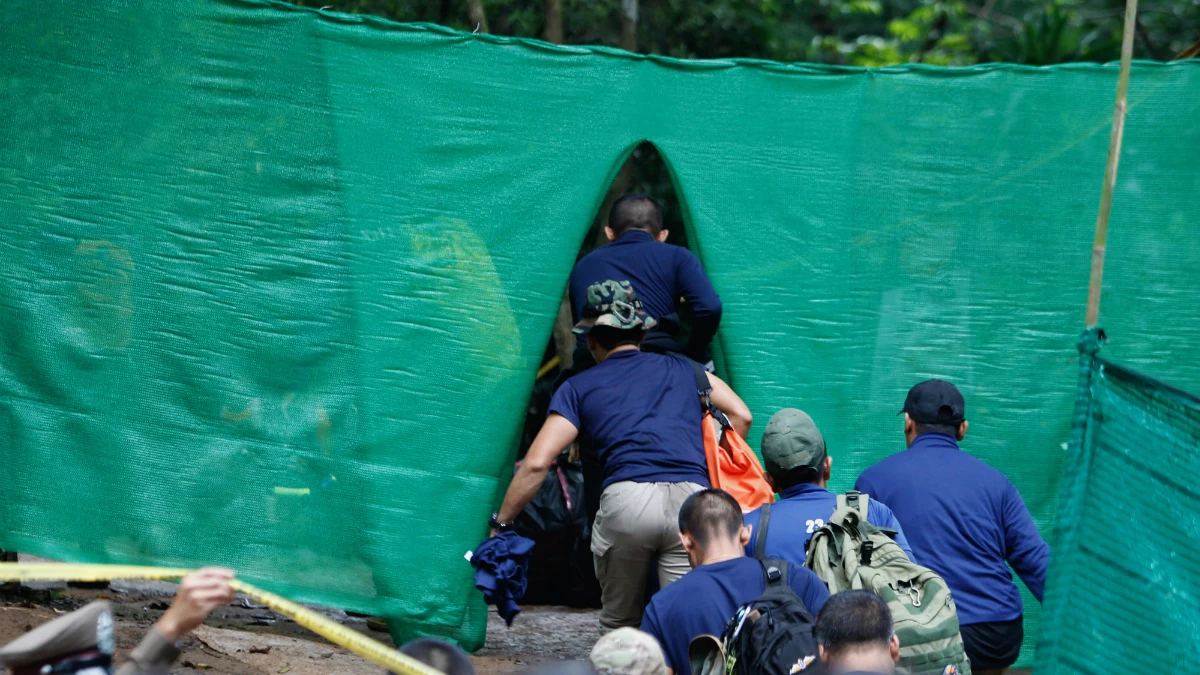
[
  {"x": 773, "y": 574},
  {"x": 868, "y": 547}
]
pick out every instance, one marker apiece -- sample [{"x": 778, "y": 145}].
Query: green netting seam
[
  {"x": 1071, "y": 494},
  {"x": 797, "y": 68}
]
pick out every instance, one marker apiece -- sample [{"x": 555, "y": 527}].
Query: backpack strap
[
  {"x": 704, "y": 388},
  {"x": 702, "y": 384},
  {"x": 760, "y": 532},
  {"x": 779, "y": 567},
  {"x": 860, "y": 499}
]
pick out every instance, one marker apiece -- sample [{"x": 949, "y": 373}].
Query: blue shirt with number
[{"x": 802, "y": 510}]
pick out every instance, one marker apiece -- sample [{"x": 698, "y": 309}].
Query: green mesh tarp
[
  {"x": 1123, "y": 593},
  {"x": 274, "y": 283}
]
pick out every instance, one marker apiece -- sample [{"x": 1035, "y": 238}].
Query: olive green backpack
[{"x": 850, "y": 553}]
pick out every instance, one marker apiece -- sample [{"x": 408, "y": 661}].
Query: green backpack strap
[
  {"x": 760, "y": 532},
  {"x": 860, "y": 500}
]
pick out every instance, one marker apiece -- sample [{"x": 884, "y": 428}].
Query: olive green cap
[{"x": 791, "y": 441}]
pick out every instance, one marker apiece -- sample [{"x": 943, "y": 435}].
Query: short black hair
[
  {"x": 635, "y": 211},
  {"x": 710, "y": 512},
  {"x": 610, "y": 338},
  {"x": 948, "y": 429},
  {"x": 852, "y": 619},
  {"x": 786, "y": 478},
  {"x": 439, "y": 655}
]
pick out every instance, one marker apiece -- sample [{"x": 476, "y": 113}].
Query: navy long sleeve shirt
[
  {"x": 965, "y": 521},
  {"x": 660, "y": 274}
]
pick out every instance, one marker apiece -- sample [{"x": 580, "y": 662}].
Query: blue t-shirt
[
  {"x": 704, "y": 599},
  {"x": 802, "y": 510},
  {"x": 660, "y": 274},
  {"x": 965, "y": 521},
  {"x": 641, "y": 414}
]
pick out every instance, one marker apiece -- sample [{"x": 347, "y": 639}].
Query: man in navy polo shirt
[
  {"x": 798, "y": 468},
  {"x": 965, "y": 521},
  {"x": 641, "y": 414},
  {"x": 703, "y": 601},
  {"x": 660, "y": 273}
]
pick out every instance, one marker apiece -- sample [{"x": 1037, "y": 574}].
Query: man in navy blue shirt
[
  {"x": 660, "y": 274},
  {"x": 723, "y": 578},
  {"x": 965, "y": 521},
  {"x": 641, "y": 414},
  {"x": 856, "y": 636},
  {"x": 798, "y": 468}
]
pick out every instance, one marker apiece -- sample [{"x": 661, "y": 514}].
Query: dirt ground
[{"x": 246, "y": 638}]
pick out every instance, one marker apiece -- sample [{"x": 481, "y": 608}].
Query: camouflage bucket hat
[
  {"x": 613, "y": 303},
  {"x": 628, "y": 651}
]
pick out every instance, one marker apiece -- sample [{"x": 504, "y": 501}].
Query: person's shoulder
[
  {"x": 598, "y": 256},
  {"x": 876, "y": 507},
  {"x": 670, "y": 598},
  {"x": 984, "y": 472},
  {"x": 800, "y": 576},
  {"x": 881, "y": 468},
  {"x": 752, "y": 517},
  {"x": 568, "y": 387},
  {"x": 668, "y": 361},
  {"x": 682, "y": 255}
]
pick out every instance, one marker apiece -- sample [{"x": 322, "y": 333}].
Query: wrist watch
[{"x": 498, "y": 526}]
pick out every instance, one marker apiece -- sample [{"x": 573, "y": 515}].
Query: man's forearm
[
  {"x": 703, "y": 330},
  {"x": 155, "y": 654},
  {"x": 523, "y": 488}
]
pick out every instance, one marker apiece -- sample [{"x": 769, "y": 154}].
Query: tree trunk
[
  {"x": 629, "y": 25},
  {"x": 477, "y": 15},
  {"x": 553, "y": 31}
]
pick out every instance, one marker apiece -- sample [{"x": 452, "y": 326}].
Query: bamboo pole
[{"x": 1110, "y": 170}]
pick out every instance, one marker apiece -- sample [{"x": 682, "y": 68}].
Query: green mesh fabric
[
  {"x": 274, "y": 283},
  {"x": 1122, "y": 591}
]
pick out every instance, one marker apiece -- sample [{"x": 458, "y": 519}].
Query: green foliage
[{"x": 850, "y": 32}]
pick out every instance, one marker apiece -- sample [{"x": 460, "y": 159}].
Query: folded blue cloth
[{"x": 501, "y": 571}]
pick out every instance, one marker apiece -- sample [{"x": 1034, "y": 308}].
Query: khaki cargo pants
[{"x": 638, "y": 523}]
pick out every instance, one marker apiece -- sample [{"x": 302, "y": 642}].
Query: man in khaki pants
[{"x": 642, "y": 415}]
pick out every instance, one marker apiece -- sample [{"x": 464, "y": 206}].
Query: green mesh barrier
[
  {"x": 274, "y": 283},
  {"x": 1122, "y": 594}
]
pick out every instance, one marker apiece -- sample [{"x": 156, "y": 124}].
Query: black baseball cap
[{"x": 935, "y": 402}]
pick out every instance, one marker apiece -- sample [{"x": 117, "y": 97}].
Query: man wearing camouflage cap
[
  {"x": 82, "y": 641},
  {"x": 661, "y": 273},
  {"x": 798, "y": 467},
  {"x": 628, "y": 651},
  {"x": 641, "y": 414}
]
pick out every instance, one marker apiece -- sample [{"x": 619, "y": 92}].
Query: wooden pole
[{"x": 1110, "y": 171}]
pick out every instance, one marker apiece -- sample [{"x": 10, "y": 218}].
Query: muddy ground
[{"x": 246, "y": 638}]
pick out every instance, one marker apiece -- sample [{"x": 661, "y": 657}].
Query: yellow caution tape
[
  {"x": 360, "y": 644},
  {"x": 549, "y": 366},
  {"x": 295, "y": 492}
]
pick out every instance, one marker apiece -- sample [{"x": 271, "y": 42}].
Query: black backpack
[{"x": 773, "y": 635}]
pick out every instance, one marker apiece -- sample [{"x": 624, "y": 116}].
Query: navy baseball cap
[{"x": 935, "y": 402}]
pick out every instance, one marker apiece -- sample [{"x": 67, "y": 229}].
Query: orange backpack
[{"x": 732, "y": 464}]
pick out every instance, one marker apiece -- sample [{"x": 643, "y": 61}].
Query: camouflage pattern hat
[
  {"x": 628, "y": 651},
  {"x": 613, "y": 303}
]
